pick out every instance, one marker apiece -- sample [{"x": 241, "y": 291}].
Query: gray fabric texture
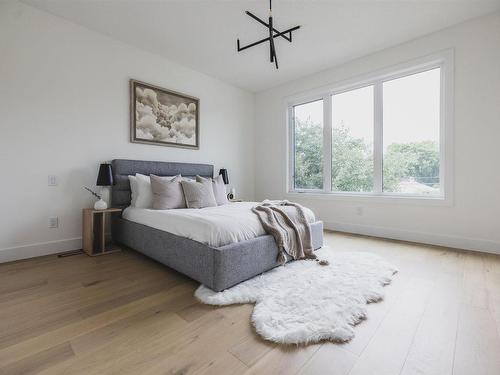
[
  {"x": 217, "y": 268},
  {"x": 167, "y": 193},
  {"x": 122, "y": 168},
  {"x": 186, "y": 256},
  {"x": 199, "y": 193}
]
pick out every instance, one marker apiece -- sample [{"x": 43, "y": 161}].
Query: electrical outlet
[
  {"x": 359, "y": 211},
  {"x": 53, "y": 222},
  {"x": 52, "y": 180}
]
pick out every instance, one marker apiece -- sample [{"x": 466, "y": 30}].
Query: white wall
[
  {"x": 64, "y": 108},
  {"x": 473, "y": 220}
]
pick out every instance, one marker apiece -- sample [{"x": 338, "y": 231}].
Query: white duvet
[{"x": 214, "y": 226}]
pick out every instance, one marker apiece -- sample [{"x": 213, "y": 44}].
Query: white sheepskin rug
[{"x": 303, "y": 302}]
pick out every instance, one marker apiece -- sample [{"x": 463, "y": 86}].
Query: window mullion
[
  {"x": 378, "y": 139},
  {"x": 327, "y": 143},
  {"x": 291, "y": 149}
]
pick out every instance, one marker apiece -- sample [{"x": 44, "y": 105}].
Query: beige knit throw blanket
[{"x": 287, "y": 223}]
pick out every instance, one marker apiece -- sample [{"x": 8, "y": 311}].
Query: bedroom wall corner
[
  {"x": 471, "y": 222},
  {"x": 64, "y": 105}
]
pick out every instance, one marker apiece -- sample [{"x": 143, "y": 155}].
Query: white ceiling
[{"x": 202, "y": 34}]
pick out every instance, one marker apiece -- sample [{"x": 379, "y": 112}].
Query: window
[
  {"x": 385, "y": 135},
  {"x": 411, "y": 133},
  {"x": 352, "y": 140},
  {"x": 308, "y": 139}
]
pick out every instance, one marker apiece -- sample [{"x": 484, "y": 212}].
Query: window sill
[{"x": 372, "y": 198}]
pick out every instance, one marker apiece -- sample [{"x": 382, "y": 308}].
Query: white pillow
[
  {"x": 199, "y": 193},
  {"x": 144, "y": 193},
  {"x": 134, "y": 191},
  {"x": 219, "y": 188},
  {"x": 167, "y": 193}
]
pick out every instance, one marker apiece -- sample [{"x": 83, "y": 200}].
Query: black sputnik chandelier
[{"x": 273, "y": 33}]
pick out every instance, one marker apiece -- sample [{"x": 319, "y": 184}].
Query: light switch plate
[
  {"x": 52, "y": 180},
  {"x": 53, "y": 222}
]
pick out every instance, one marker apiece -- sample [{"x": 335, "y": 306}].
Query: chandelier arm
[
  {"x": 267, "y": 25},
  {"x": 275, "y": 57},
  {"x": 252, "y": 44},
  {"x": 273, "y": 33},
  {"x": 266, "y": 39},
  {"x": 271, "y": 39}
]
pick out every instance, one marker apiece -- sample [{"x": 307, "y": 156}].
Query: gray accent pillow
[
  {"x": 167, "y": 192},
  {"x": 199, "y": 194},
  {"x": 219, "y": 188}
]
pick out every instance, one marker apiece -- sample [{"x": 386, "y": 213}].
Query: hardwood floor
[{"x": 125, "y": 314}]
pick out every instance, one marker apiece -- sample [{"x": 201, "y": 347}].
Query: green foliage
[
  {"x": 308, "y": 155},
  {"x": 352, "y": 161},
  {"x": 417, "y": 160}
]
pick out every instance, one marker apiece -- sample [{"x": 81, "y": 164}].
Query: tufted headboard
[{"x": 122, "y": 168}]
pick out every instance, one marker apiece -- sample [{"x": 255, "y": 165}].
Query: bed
[{"x": 187, "y": 241}]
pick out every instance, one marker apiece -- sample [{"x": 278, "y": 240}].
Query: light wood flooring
[{"x": 125, "y": 314}]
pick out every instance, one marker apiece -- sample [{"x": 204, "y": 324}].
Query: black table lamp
[
  {"x": 223, "y": 172},
  {"x": 105, "y": 176}
]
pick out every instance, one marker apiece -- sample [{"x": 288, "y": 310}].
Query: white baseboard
[
  {"x": 465, "y": 243},
  {"x": 39, "y": 249},
  {"x": 474, "y": 244}
]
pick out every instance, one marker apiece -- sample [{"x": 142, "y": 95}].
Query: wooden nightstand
[{"x": 97, "y": 238}]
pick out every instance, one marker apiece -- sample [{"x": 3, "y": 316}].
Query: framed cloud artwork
[{"x": 162, "y": 117}]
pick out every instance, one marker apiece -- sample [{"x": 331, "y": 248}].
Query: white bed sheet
[{"x": 214, "y": 226}]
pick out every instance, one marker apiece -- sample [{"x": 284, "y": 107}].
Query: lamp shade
[
  {"x": 223, "y": 172},
  {"x": 105, "y": 176}
]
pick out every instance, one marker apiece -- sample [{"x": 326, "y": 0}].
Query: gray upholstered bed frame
[{"x": 216, "y": 267}]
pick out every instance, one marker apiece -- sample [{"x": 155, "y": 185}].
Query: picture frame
[{"x": 163, "y": 117}]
